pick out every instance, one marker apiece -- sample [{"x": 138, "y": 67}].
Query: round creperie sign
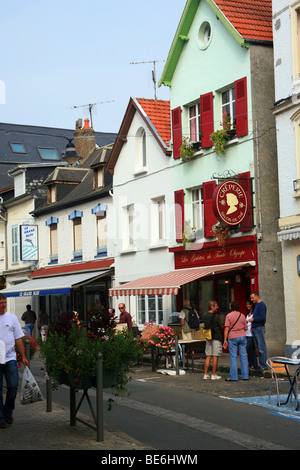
[{"x": 230, "y": 203}]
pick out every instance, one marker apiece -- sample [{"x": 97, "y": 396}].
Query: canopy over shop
[{"x": 63, "y": 291}]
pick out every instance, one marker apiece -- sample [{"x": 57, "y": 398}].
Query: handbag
[{"x": 208, "y": 332}]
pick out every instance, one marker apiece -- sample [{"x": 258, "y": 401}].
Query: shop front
[{"x": 81, "y": 288}]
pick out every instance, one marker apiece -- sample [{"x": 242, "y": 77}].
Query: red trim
[
  {"x": 209, "y": 216},
  {"x": 241, "y": 107},
  {"x": 176, "y": 131},
  {"x": 73, "y": 268},
  {"x": 207, "y": 119},
  {"x": 179, "y": 214}
]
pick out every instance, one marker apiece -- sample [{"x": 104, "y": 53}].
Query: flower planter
[{"x": 109, "y": 380}]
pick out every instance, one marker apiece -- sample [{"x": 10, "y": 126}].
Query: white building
[{"x": 143, "y": 203}]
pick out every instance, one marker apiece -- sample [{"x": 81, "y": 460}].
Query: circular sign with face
[{"x": 230, "y": 203}]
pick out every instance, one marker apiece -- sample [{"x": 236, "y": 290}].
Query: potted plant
[
  {"x": 220, "y": 137},
  {"x": 160, "y": 339},
  {"x": 71, "y": 351},
  {"x": 222, "y": 233},
  {"x": 187, "y": 150}
]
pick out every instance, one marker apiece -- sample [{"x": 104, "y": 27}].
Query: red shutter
[
  {"x": 209, "y": 216},
  {"x": 245, "y": 182},
  {"x": 179, "y": 214},
  {"x": 241, "y": 107},
  {"x": 177, "y": 131},
  {"x": 207, "y": 119}
]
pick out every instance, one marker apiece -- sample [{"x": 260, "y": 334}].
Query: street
[{"x": 187, "y": 413}]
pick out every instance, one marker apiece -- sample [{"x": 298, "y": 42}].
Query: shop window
[{"x": 150, "y": 308}]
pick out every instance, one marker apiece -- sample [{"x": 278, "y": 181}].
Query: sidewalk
[{"x": 35, "y": 429}]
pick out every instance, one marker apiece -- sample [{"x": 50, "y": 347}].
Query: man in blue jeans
[
  {"x": 10, "y": 335},
  {"x": 258, "y": 328}
]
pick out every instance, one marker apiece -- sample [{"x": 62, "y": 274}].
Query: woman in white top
[{"x": 251, "y": 351}]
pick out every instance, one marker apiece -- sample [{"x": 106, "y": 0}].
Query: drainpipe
[{"x": 259, "y": 233}]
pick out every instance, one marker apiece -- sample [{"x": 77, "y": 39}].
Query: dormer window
[
  {"x": 51, "y": 193},
  {"x": 99, "y": 177}
]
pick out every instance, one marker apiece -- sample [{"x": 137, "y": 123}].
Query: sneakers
[
  {"x": 9, "y": 420},
  {"x": 215, "y": 377},
  {"x": 2, "y": 425},
  {"x": 206, "y": 377}
]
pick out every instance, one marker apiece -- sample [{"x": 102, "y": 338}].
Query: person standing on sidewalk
[
  {"x": 29, "y": 317},
  {"x": 11, "y": 334},
  {"x": 235, "y": 339},
  {"x": 213, "y": 348},
  {"x": 258, "y": 322}
]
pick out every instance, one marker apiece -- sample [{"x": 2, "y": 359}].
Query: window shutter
[
  {"x": 245, "y": 182},
  {"x": 177, "y": 132},
  {"x": 179, "y": 214},
  {"x": 77, "y": 234},
  {"x": 207, "y": 119},
  {"x": 209, "y": 216},
  {"x": 241, "y": 107},
  {"x": 53, "y": 240}
]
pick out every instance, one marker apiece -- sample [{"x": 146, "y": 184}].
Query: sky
[{"x": 58, "y": 56}]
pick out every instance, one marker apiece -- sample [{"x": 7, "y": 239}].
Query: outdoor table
[
  {"x": 292, "y": 380},
  {"x": 189, "y": 346}
]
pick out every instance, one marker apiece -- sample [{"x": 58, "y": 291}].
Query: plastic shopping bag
[{"x": 30, "y": 391}]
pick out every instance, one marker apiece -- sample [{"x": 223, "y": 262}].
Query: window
[
  {"x": 52, "y": 193},
  {"x": 14, "y": 244},
  {"x": 17, "y": 147},
  {"x": 194, "y": 123},
  {"x": 53, "y": 243},
  {"x": 19, "y": 184},
  {"x": 48, "y": 153},
  {"x": 197, "y": 208},
  {"x": 128, "y": 226},
  {"x": 295, "y": 29},
  {"x": 99, "y": 178},
  {"x": 228, "y": 108},
  {"x": 204, "y": 35},
  {"x": 141, "y": 149},
  {"x": 101, "y": 227},
  {"x": 158, "y": 219},
  {"x": 150, "y": 307},
  {"x": 77, "y": 238}
]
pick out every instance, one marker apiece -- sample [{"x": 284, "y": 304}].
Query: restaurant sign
[
  {"x": 230, "y": 203},
  {"x": 28, "y": 242}
]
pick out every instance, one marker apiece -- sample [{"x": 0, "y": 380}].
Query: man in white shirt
[{"x": 10, "y": 334}]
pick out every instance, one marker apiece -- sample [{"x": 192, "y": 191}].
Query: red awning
[{"x": 170, "y": 283}]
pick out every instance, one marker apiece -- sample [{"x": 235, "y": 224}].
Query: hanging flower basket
[{"x": 222, "y": 233}]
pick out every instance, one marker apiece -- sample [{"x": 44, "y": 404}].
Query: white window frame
[
  {"x": 141, "y": 150},
  {"x": 197, "y": 208},
  {"x": 195, "y": 121},
  {"x": 158, "y": 219},
  {"x": 128, "y": 226},
  {"x": 157, "y": 318},
  {"x": 229, "y": 106}
]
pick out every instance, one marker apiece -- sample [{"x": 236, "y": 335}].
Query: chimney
[{"x": 85, "y": 142}]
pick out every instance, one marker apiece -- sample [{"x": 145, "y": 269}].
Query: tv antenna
[
  {"x": 90, "y": 107},
  {"x": 154, "y": 62}
]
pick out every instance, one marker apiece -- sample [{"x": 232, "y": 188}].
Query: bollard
[
  {"x": 176, "y": 355},
  {"x": 99, "y": 398},
  {"x": 48, "y": 394}
]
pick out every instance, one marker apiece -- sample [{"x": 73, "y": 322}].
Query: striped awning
[{"x": 170, "y": 283}]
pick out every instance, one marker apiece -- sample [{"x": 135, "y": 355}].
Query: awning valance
[
  {"x": 52, "y": 285},
  {"x": 286, "y": 235},
  {"x": 170, "y": 283}
]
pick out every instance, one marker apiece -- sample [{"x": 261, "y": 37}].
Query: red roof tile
[
  {"x": 158, "y": 111},
  {"x": 251, "y": 18}
]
